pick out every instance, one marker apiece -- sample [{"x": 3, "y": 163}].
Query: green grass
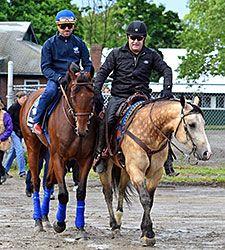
[
  {"x": 189, "y": 175},
  {"x": 198, "y": 174}
]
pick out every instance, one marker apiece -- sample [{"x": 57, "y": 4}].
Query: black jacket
[
  {"x": 131, "y": 72},
  {"x": 14, "y": 111}
]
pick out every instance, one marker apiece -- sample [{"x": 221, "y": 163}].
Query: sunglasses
[
  {"x": 64, "y": 25},
  {"x": 139, "y": 38}
]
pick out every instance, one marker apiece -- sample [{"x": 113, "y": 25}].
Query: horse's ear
[
  {"x": 182, "y": 101},
  {"x": 196, "y": 100}
]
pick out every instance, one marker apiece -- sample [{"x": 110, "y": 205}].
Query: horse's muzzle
[{"x": 206, "y": 155}]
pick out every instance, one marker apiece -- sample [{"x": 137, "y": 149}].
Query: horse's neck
[{"x": 155, "y": 121}]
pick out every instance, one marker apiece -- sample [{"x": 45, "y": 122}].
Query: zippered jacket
[
  {"x": 132, "y": 72},
  {"x": 58, "y": 52},
  {"x": 8, "y": 126}
]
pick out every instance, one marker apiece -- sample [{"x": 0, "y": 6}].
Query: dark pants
[
  {"x": 47, "y": 97},
  {"x": 2, "y": 169}
]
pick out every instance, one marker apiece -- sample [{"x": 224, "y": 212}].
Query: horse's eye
[{"x": 192, "y": 125}]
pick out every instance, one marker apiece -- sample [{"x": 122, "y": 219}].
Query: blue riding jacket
[{"x": 58, "y": 52}]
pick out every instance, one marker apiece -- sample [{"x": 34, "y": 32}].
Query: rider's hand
[
  {"x": 63, "y": 80},
  {"x": 98, "y": 100},
  {"x": 166, "y": 93}
]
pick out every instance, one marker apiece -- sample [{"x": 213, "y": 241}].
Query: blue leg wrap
[
  {"x": 79, "y": 221},
  {"x": 45, "y": 202},
  {"x": 61, "y": 213},
  {"x": 37, "y": 206}
]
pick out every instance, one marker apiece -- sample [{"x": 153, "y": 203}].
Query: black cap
[{"x": 137, "y": 28}]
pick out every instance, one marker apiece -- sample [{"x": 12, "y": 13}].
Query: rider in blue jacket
[{"x": 57, "y": 54}]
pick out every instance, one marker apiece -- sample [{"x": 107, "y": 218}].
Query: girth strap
[{"x": 148, "y": 151}]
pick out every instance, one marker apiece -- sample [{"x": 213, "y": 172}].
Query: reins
[
  {"x": 150, "y": 152},
  {"x": 70, "y": 109}
]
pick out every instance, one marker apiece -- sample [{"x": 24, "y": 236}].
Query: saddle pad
[
  {"x": 32, "y": 112},
  {"x": 121, "y": 125}
]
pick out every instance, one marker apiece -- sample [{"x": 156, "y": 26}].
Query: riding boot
[
  {"x": 168, "y": 165},
  {"x": 100, "y": 161}
]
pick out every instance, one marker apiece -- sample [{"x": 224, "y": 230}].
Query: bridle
[
  {"x": 187, "y": 132},
  {"x": 70, "y": 110}
]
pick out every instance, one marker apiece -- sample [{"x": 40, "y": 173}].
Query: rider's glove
[
  {"x": 166, "y": 93},
  {"x": 98, "y": 100}
]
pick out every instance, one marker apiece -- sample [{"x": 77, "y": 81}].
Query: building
[{"x": 19, "y": 44}]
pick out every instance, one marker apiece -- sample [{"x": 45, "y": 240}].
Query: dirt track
[{"x": 184, "y": 218}]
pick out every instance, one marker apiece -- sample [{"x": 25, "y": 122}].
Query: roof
[{"x": 18, "y": 43}]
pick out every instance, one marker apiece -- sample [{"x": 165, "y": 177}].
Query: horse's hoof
[
  {"x": 116, "y": 233},
  {"x": 59, "y": 227},
  {"x": 118, "y": 217},
  {"x": 81, "y": 235},
  {"x": 145, "y": 241},
  {"x": 38, "y": 226},
  {"x": 46, "y": 222}
]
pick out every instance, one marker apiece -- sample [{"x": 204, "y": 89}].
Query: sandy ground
[{"x": 183, "y": 217}]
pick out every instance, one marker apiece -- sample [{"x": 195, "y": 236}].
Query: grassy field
[{"x": 189, "y": 175}]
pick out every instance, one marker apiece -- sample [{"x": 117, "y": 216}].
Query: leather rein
[
  {"x": 70, "y": 111},
  {"x": 150, "y": 151}
]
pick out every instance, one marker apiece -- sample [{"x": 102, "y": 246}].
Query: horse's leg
[
  {"x": 84, "y": 168},
  {"x": 50, "y": 180},
  {"x": 57, "y": 165},
  {"x": 33, "y": 159},
  {"x": 124, "y": 179},
  {"x": 137, "y": 176},
  {"x": 106, "y": 180}
]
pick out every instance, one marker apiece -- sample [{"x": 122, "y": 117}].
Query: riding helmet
[
  {"x": 65, "y": 16},
  {"x": 137, "y": 28}
]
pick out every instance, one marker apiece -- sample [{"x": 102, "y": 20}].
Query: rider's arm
[
  {"x": 46, "y": 63},
  {"x": 162, "y": 68},
  {"x": 85, "y": 58},
  {"x": 105, "y": 70}
]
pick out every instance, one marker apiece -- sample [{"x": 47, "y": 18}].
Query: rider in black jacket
[{"x": 131, "y": 65}]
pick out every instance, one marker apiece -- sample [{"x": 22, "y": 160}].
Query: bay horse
[
  {"x": 72, "y": 133},
  {"x": 145, "y": 148}
]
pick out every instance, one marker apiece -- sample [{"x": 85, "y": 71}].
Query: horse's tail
[{"x": 129, "y": 191}]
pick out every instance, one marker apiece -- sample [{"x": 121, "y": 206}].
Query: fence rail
[{"x": 213, "y": 105}]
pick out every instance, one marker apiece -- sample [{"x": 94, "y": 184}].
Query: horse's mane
[
  {"x": 82, "y": 78},
  {"x": 196, "y": 109}
]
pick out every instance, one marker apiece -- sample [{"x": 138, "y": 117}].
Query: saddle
[
  {"x": 125, "y": 115},
  {"x": 51, "y": 107}
]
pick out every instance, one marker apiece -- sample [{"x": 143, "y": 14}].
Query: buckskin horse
[
  {"x": 145, "y": 148},
  {"x": 72, "y": 133}
]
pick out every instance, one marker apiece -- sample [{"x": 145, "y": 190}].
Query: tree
[
  {"x": 4, "y": 10},
  {"x": 105, "y": 22},
  {"x": 204, "y": 39},
  {"x": 41, "y": 13}
]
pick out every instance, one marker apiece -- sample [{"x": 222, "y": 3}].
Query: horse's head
[
  {"x": 191, "y": 130},
  {"x": 81, "y": 95}
]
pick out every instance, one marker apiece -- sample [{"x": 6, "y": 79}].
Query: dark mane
[
  {"x": 196, "y": 109},
  {"x": 82, "y": 78}
]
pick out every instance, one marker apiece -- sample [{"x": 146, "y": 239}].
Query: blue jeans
[
  {"x": 47, "y": 96},
  {"x": 16, "y": 151}
]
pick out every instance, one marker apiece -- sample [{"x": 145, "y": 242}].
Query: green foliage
[
  {"x": 204, "y": 39},
  {"x": 107, "y": 26},
  {"x": 4, "y": 10},
  {"x": 41, "y": 13}
]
